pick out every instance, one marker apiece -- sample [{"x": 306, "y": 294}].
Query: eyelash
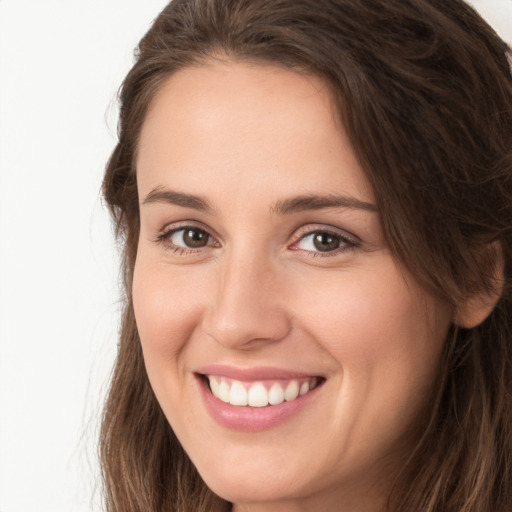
[
  {"x": 166, "y": 234},
  {"x": 347, "y": 240}
]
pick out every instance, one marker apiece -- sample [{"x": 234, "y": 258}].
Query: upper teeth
[{"x": 259, "y": 394}]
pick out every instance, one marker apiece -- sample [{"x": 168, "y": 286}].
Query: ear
[{"x": 480, "y": 305}]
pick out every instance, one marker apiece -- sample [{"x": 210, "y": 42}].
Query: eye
[
  {"x": 189, "y": 237},
  {"x": 186, "y": 239},
  {"x": 324, "y": 241}
]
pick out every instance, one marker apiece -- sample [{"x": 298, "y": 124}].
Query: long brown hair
[{"x": 425, "y": 93}]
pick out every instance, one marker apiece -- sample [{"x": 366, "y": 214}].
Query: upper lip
[{"x": 253, "y": 373}]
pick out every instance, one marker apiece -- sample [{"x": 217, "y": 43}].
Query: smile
[
  {"x": 256, "y": 399},
  {"x": 258, "y": 393}
]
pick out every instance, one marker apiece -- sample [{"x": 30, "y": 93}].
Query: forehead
[{"x": 245, "y": 124}]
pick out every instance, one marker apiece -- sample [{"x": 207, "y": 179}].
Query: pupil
[
  {"x": 195, "y": 238},
  {"x": 325, "y": 242}
]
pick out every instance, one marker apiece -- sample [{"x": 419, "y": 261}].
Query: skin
[{"x": 245, "y": 138}]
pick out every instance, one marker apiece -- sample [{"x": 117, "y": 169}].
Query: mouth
[
  {"x": 258, "y": 398},
  {"x": 259, "y": 393}
]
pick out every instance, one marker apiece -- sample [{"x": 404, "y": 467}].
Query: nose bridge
[{"x": 247, "y": 306}]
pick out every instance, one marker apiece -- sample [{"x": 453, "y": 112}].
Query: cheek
[
  {"x": 166, "y": 311},
  {"x": 372, "y": 316},
  {"x": 386, "y": 335}
]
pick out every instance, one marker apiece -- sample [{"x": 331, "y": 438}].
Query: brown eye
[
  {"x": 193, "y": 238},
  {"x": 324, "y": 242}
]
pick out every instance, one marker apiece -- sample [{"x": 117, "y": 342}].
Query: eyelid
[
  {"x": 169, "y": 229},
  {"x": 176, "y": 226},
  {"x": 311, "y": 229},
  {"x": 325, "y": 228},
  {"x": 301, "y": 233}
]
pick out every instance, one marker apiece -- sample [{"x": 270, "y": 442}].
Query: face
[{"x": 288, "y": 349}]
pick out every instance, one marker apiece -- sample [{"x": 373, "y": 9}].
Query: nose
[{"x": 248, "y": 308}]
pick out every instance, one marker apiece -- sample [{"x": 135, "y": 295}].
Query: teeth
[
  {"x": 292, "y": 391},
  {"x": 257, "y": 394},
  {"x": 238, "y": 394},
  {"x": 304, "y": 388},
  {"x": 275, "y": 394},
  {"x": 224, "y": 392},
  {"x": 214, "y": 385}
]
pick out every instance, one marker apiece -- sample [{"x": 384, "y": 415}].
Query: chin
[{"x": 250, "y": 490}]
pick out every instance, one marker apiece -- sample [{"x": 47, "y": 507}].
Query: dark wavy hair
[{"x": 424, "y": 90}]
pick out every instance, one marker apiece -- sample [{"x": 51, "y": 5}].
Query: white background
[{"x": 60, "y": 65}]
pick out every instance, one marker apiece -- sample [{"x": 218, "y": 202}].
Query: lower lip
[{"x": 252, "y": 419}]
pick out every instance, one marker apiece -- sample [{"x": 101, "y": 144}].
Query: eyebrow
[
  {"x": 316, "y": 202},
  {"x": 282, "y": 207},
  {"x": 164, "y": 195}
]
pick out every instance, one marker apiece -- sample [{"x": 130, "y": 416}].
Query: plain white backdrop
[{"x": 61, "y": 62}]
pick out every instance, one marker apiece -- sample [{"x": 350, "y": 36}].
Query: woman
[{"x": 315, "y": 202}]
